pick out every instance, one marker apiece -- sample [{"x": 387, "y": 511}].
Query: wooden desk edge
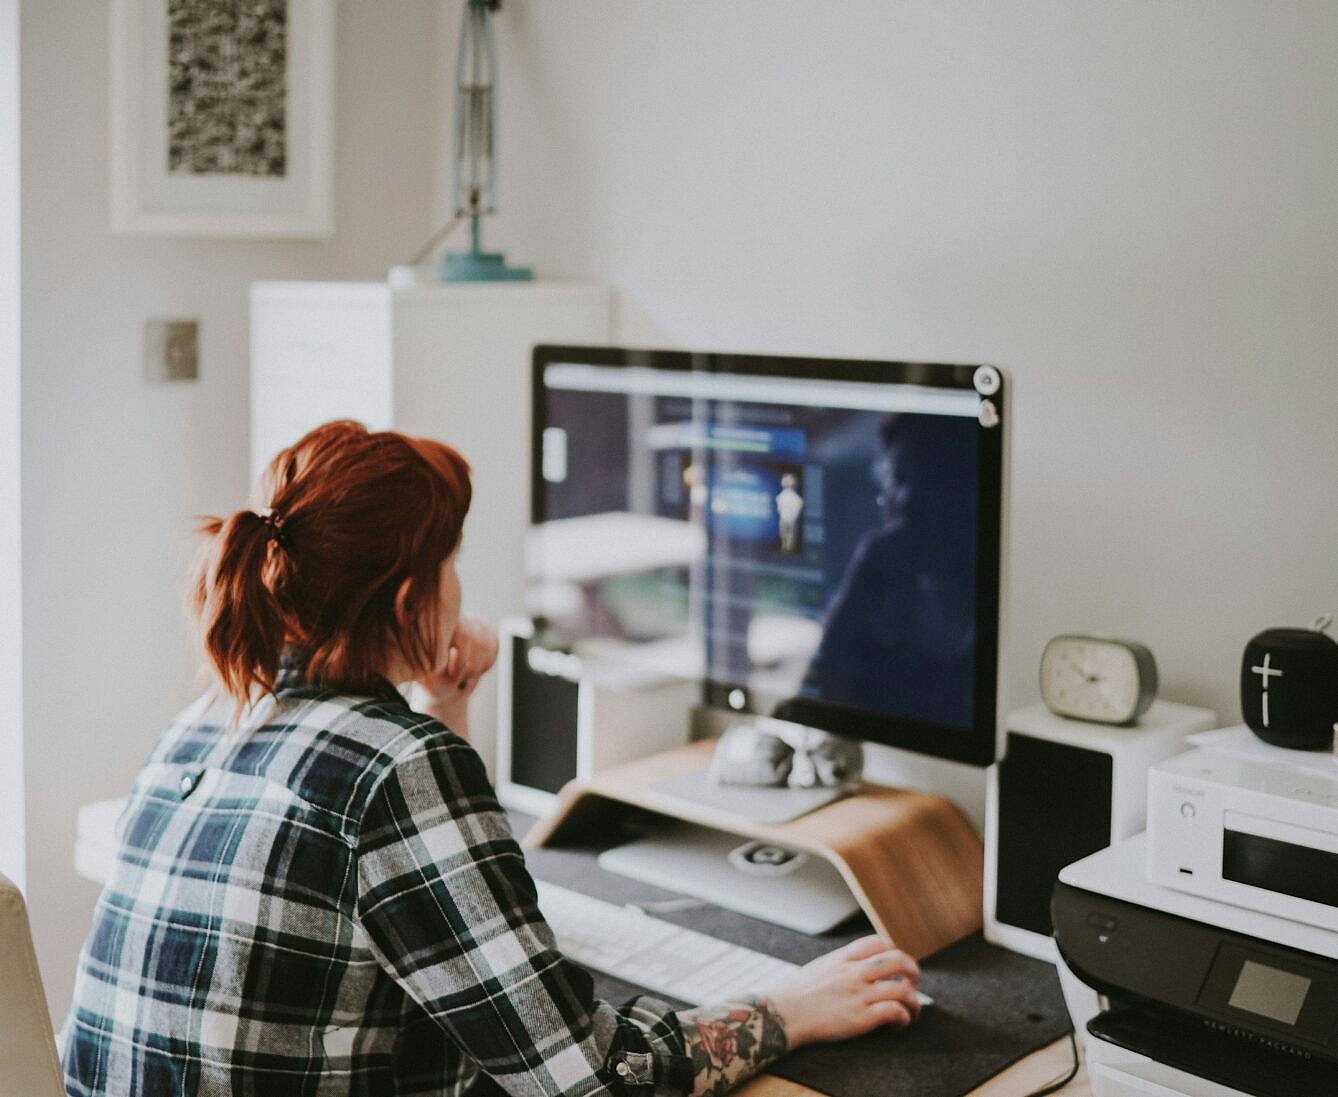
[{"x": 1033, "y": 1072}]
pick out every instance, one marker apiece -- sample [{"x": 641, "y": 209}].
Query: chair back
[{"x": 28, "y": 1063}]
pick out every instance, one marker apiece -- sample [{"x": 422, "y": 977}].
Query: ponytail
[{"x": 242, "y": 623}]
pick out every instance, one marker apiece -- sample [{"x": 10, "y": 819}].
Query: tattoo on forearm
[{"x": 731, "y": 1043}]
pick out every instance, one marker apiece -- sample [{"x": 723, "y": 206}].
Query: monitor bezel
[{"x": 977, "y": 745}]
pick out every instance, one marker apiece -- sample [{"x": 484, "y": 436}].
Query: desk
[
  {"x": 1031, "y": 1073},
  {"x": 95, "y": 853}
]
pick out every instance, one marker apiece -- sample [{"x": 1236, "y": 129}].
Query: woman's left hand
[{"x": 470, "y": 654}]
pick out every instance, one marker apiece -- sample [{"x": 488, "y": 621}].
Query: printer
[
  {"x": 1200, "y": 959},
  {"x": 1182, "y": 995}
]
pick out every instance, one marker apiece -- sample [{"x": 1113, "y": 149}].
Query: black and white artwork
[
  {"x": 222, "y": 117},
  {"x": 227, "y": 87}
]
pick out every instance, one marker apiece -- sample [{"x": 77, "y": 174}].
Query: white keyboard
[
  {"x": 629, "y": 944},
  {"x": 633, "y": 946}
]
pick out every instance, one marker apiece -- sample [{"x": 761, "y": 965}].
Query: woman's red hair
[{"x": 344, "y": 562}]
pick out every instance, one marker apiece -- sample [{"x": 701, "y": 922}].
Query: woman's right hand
[
  {"x": 850, "y": 991},
  {"x": 471, "y": 652}
]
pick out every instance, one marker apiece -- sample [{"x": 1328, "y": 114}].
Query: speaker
[
  {"x": 559, "y": 719},
  {"x": 1289, "y": 687},
  {"x": 1065, "y": 789}
]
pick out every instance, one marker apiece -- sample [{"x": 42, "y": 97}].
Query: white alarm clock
[{"x": 1098, "y": 678}]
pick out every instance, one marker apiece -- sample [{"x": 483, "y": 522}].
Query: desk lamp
[{"x": 476, "y": 149}]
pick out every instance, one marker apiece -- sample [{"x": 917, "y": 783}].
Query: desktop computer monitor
[{"x": 814, "y": 539}]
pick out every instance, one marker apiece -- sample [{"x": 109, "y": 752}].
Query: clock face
[{"x": 1096, "y": 679}]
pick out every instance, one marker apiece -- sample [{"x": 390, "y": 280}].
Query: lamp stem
[{"x": 475, "y": 149}]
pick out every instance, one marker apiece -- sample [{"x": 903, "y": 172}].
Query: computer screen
[{"x": 814, "y": 539}]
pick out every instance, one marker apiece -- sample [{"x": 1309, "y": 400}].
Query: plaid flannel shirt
[{"x": 330, "y": 901}]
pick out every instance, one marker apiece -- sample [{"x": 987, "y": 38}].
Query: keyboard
[{"x": 633, "y": 946}]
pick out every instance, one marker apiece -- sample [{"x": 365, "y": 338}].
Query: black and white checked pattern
[{"x": 330, "y": 901}]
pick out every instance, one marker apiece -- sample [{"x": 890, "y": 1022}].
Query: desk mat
[{"x": 991, "y": 1007}]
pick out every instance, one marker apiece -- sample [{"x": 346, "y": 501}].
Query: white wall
[
  {"x": 11, "y": 620},
  {"x": 1132, "y": 207},
  {"x": 114, "y": 468}
]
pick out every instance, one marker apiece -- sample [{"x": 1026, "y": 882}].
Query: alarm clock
[
  {"x": 1098, "y": 678},
  {"x": 1289, "y": 687}
]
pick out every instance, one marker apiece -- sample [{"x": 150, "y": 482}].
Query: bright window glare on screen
[{"x": 859, "y": 395}]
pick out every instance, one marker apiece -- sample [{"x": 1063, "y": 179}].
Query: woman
[{"x": 316, "y": 890}]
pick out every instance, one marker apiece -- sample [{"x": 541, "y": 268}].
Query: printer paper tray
[{"x": 1240, "y": 1062}]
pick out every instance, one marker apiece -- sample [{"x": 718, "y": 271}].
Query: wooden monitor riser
[{"x": 911, "y": 859}]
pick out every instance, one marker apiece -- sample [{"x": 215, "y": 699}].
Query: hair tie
[{"x": 273, "y": 522}]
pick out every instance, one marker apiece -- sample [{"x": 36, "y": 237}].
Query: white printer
[{"x": 1181, "y": 995}]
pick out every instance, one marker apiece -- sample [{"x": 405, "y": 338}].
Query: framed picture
[{"x": 222, "y": 117}]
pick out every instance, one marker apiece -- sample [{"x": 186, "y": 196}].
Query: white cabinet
[{"x": 446, "y": 361}]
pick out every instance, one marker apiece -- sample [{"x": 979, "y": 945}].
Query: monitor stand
[
  {"x": 764, "y": 880},
  {"x": 751, "y": 803},
  {"x": 911, "y": 860}
]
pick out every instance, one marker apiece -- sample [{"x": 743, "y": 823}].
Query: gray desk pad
[{"x": 991, "y": 1007}]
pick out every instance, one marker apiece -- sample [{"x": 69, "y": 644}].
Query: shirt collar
[{"x": 293, "y": 676}]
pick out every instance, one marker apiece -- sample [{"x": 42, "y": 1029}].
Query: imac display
[{"x": 813, "y": 539}]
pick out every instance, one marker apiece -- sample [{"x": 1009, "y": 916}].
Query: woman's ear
[
  {"x": 401, "y": 602},
  {"x": 413, "y": 637},
  {"x": 401, "y": 633}
]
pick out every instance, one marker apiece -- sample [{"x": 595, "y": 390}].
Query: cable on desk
[{"x": 1056, "y": 1086}]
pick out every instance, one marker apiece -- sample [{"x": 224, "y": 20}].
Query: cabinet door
[{"x": 318, "y": 352}]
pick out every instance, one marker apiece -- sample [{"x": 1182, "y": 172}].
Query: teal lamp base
[{"x": 481, "y": 266}]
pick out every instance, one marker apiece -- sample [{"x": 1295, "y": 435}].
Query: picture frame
[{"x": 222, "y": 118}]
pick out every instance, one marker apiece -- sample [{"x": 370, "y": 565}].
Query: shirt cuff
[{"x": 664, "y": 1069}]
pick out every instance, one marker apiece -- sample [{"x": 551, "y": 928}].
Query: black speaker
[
  {"x": 561, "y": 719},
  {"x": 1041, "y": 783},
  {"x": 544, "y": 755},
  {"x": 1289, "y": 687},
  {"x": 1065, "y": 789}
]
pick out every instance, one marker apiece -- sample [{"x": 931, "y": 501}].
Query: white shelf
[{"x": 1240, "y": 742}]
